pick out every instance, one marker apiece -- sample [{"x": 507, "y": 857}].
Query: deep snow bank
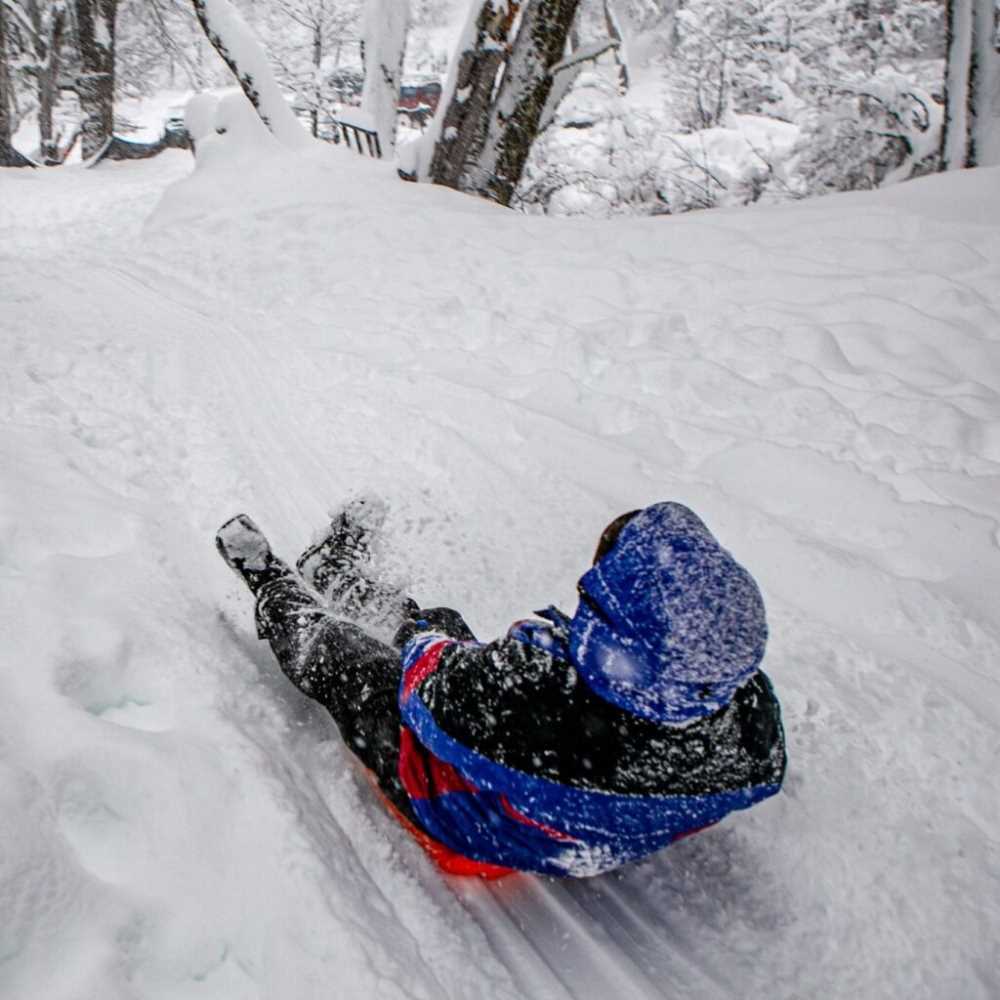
[{"x": 819, "y": 381}]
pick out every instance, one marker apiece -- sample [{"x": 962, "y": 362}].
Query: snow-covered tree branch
[
  {"x": 235, "y": 42},
  {"x": 386, "y": 23}
]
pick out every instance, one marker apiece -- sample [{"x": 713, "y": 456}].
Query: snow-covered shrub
[
  {"x": 736, "y": 165},
  {"x": 720, "y": 63},
  {"x": 596, "y": 158},
  {"x": 226, "y": 129},
  {"x": 735, "y": 101},
  {"x": 873, "y": 106},
  {"x": 602, "y": 156},
  {"x": 858, "y": 139}
]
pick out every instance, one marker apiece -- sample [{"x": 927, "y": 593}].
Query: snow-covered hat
[{"x": 669, "y": 625}]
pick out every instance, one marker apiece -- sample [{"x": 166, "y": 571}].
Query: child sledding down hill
[{"x": 568, "y": 747}]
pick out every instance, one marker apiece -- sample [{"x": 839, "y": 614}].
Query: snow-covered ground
[{"x": 820, "y": 381}]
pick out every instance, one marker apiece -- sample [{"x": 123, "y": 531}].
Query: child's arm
[{"x": 442, "y": 621}]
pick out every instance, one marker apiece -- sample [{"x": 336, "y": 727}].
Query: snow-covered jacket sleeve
[{"x": 499, "y": 697}]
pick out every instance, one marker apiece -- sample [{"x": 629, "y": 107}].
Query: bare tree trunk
[
  {"x": 521, "y": 100},
  {"x": 971, "y": 133},
  {"x": 50, "y": 52},
  {"x": 317, "y": 65},
  {"x": 9, "y": 156},
  {"x": 464, "y": 120},
  {"x": 95, "y": 86}
]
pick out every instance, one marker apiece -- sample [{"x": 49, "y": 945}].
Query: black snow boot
[
  {"x": 346, "y": 546},
  {"x": 245, "y": 549}
]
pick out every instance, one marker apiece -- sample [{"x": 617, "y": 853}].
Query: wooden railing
[{"x": 363, "y": 139}]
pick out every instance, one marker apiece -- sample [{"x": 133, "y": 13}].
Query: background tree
[
  {"x": 159, "y": 44},
  {"x": 426, "y": 55},
  {"x": 43, "y": 25},
  {"x": 858, "y": 77},
  {"x": 308, "y": 41},
  {"x": 235, "y": 42},
  {"x": 386, "y": 23},
  {"x": 971, "y": 134},
  {"x": 9, "y": 156},
  {"x": 521, "y": 98},
  {"x": 95, "y": 83},
  {"x": 459, "y": 128},
  {"x": 483, "y": 132},
  {"x": 762, "y": 99},
  {"x": 876, "y": 114}
]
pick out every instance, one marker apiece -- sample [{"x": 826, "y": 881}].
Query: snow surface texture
[{"x": 819, "y": 382}]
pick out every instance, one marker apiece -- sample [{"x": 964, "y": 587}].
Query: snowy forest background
[{"x": 659, "y": 106}]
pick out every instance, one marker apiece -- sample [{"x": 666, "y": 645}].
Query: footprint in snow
[{"x": 99, "y": 672}]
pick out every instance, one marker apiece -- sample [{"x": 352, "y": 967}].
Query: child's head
[
  {"x": 669, "y": 624},
  {"x": 610, "y": 535}
]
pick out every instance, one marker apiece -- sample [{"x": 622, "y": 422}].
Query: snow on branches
[
  {"x": 243, "y": 54},
  {"x": 735, "y": 101}
]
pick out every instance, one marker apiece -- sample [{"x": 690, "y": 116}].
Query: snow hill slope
[{"x": 820, "y": 381}]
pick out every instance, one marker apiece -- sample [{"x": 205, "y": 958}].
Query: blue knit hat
[{"x": 669, "y": 625}]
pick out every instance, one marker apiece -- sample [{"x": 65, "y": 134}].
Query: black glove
[{"x": 443, "y": 620}]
